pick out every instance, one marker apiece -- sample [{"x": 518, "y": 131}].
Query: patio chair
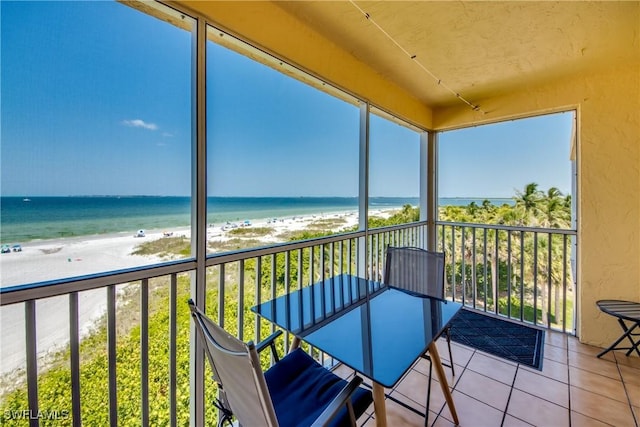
[
  {"x": 419, "y": 272},
  {"x": 296, "y": 391}
]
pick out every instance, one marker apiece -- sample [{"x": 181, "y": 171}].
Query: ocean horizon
[{"x": 24, "y": 219}]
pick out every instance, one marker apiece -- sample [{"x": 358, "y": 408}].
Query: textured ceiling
[{"x": 477, "y": 49}]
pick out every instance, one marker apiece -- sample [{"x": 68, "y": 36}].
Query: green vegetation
[
  {"x": 315, "y": 229},
  {"x": 251, "y": 231},
  {"x": 54, "y": 384},
  {"x": 406, "y": 215},
  {"x": 506, "y": 276},
  {"x": 327, "y": 224},
  {"x": 165, "y": 247},
  {"x": 234, "y": 244},
  {"x": 508, "y": 268},
  {"x": 296, "y": 235},
  {"x": 532, "y": 208}
]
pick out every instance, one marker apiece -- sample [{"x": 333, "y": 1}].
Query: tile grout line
[
  {"x": 513, "y": 385},
  {"x": 626, "y": 391},
  {"x": 453, "y": 388},
  {"x": 615, "y": 360},
  {"x": 568, "y": 383},
  {"x": 580, "y": 368},
  {"x": 519, "y": 367}
]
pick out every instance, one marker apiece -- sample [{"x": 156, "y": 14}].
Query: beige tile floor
[{"x": 574, "y": 388}]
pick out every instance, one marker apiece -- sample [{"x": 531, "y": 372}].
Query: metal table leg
[{"x": 628, "y": 333}]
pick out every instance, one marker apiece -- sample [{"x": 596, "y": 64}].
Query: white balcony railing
[
  {"x": 523, "y": 273},
  {"x": 146, "y": 315}
]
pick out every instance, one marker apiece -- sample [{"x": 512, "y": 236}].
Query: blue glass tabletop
[{"x": 377, "y": 330}]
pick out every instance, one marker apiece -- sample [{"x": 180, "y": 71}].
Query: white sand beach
[{"x": 52, "y": 259}]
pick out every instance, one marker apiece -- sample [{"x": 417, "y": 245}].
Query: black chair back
[{"x": 416, "y": 270}]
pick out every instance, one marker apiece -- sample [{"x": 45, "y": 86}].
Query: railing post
[
  {"x": 144, "y": 351},
  {"x": 173, "y": 350},
  {"x": 258, "y": 273},
  {"x": 241, "y": 300},
  {"x": 74, "y": 352},
  {"x": 32, "y": 360},
  {"x": 112, "y": 355}
]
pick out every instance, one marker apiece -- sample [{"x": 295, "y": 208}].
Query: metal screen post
[
  {"x": 198, "y": 217},
  {"x": 363, "y": 190}
]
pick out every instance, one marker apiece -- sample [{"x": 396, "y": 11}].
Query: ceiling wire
[{"x": 414, "y": 58}]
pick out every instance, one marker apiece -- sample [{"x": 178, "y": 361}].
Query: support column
[
  {"x": 363, "y": 189},
  {"x": 428, "y": 186},
  {"x": 198, "y": 217}
]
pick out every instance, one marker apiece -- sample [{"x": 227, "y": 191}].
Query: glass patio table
[{"x": 377, "y": 330}]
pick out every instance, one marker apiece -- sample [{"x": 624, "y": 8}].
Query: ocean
[{"x": 23, "y": 220}]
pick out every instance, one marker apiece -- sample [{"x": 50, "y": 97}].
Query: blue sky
[
  {"x": 96, "y": 100},
  {"x": 496, "y": 160}
]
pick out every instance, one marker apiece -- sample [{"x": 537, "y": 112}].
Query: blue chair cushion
[{"x": 301, "y": 389}]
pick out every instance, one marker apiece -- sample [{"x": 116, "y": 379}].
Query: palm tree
[
  {"x": 472, "y": 209},
  {"x": 554, "y": 212},
  {"x": 550, "y": 209},
  {"x": 528, "y": 203}
]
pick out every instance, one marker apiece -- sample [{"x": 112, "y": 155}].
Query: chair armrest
[
  {"x": 336, "y": 404},
  {"x": 269, "y": 342}
]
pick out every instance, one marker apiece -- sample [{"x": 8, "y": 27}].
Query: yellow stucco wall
[
  {"x": 291, "y": 40},
  {"x": 608, "y": 106}
]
